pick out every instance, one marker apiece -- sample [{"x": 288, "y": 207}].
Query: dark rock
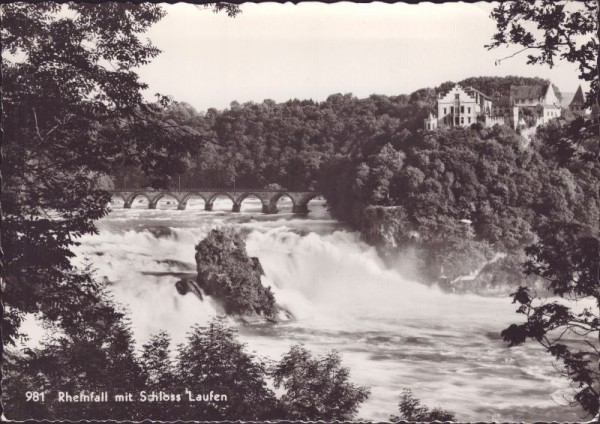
[
  {"x": 182, "y": 287},
  {"x": 257, "y": 266},
  {"x": 185, "y": 286},
  {"x": 227, "y": 273}
]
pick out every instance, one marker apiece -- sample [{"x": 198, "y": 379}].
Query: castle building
[
  {"x": 524, "y": 105},
  {"x": 462, "y": 107},
  {"x": 540, "y": 101}
]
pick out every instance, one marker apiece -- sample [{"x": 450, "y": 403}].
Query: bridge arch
[
  {"x": 301, "y": 201},
  {"x": 214, "y": 196},
  {"x": 188, "y": 196},
  {"x": 261, "y": 197},
  {"x": 130, "y": 201},
  {"x": 155, "y": 199},
  {"x": 115, "y": 196},
  {"x": 278, "y": 196},
  {"x": 274, "y": 200},
  {"x": 209, "y": 205}
]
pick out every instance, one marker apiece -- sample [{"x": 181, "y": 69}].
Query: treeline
[{"x": 257, "y": 144}]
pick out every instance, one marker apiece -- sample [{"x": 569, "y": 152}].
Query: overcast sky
[{"x": 311, "y": 50}]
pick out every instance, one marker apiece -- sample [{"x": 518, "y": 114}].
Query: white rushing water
[{"x": 392, "y": 333}]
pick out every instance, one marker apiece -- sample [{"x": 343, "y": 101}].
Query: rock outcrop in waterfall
[{"x": 229, "y": 275}]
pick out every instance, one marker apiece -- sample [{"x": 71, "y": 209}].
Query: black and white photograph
[{"x": 368, "y": 212}]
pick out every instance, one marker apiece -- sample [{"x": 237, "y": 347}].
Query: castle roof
[
  {"x": 477, "y": 91},
  {"x": 550, "y": 106},
  {"x": 578, "y": 98},
  {"x": 523, "y": 92},
  {"x": 503, "y": 101},
  {"x": 431, "y": 116},
  {"x": 566, "y": 100}
]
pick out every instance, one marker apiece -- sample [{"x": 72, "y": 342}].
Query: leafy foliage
[
  {"x": 411, "y": 410},
  {"x": 98, "y": 353},
  {"x": 317, "y": 388},
  {"x": 70, "y": 91},
  {"x": 567, "y": 257},
  {"x": 567, "y": 253},
  {"x": 551, "y": 31},
  {"x": 92, "y": 353},
  {"x": 213, "y": 359},
  {"x": 435, "y": 190}
]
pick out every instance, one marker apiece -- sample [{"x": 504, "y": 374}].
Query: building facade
[
  {"x": 534, "y": 102},
  {"x": 523, "y": 106},
  {"x": 462, "y": 107}
]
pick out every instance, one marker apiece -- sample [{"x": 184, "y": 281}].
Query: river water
[{"x": 393, "y": 333}]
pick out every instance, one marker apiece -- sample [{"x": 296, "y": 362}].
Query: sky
[{"x": 311, "y": 50}]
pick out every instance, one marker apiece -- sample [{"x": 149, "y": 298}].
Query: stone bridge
[{"x": 268, "y": 198}]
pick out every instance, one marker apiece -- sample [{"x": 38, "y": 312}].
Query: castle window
[
  {"x": 457, "y": 96},
  {"x": 445, "y": 111},
  {"x": 451, "y": 109},
  {"x": 469, "y": 119},
  {"x": 469, "y": 110},
  {"x": 462, "y": 109},
  {"x": 462, "y": 120},
  {"x": 456, "y": 120}
]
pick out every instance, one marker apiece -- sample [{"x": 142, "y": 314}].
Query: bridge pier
[
  {"x": 181, "y": 206},
  {"x": 208, "y": 206},
  {"x": 300, "y": 209},
  {"x": 237, "y": 207},
  {"x": 270, "y": 209}
]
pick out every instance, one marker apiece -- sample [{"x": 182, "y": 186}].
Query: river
[{"x": 393, "y": 333}]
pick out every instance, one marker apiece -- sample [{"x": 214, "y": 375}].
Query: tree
[
  {"x": 158, "y": 370},
  {"x": 411, "y": 410},
  {"x": 567, "y": 257},
  {"x": 69, "y": 87},
  {"x": 317, "y": 388},
  {"x": 555, "y": 30},
  {"x": 213, "y": 359},
  {"x": 55, "y": 91},
  {"x": 92, "y": 352},
  {"x": 70, "y": 93},
  {"x": 568, "y": 31}
]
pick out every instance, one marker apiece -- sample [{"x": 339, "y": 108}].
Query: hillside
[{"x": 256, "y": 144}]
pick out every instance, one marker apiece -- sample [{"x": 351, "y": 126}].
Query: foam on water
[{"x": 392, "y": 332}]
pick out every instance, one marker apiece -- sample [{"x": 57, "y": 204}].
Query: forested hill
[
  {"x": 257, "y": 144},
  {"x": 381, "y": 172}
]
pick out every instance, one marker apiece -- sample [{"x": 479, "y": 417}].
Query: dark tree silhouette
[
  {"x": 411, "y": 409},
  {"x": 68, "y": 82},
  {"x": 551, "y": 31},
  {"x": 71, "y": 97},
  {"x": 567, "y": 256},
  {"x": 317, "y": 388}
]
